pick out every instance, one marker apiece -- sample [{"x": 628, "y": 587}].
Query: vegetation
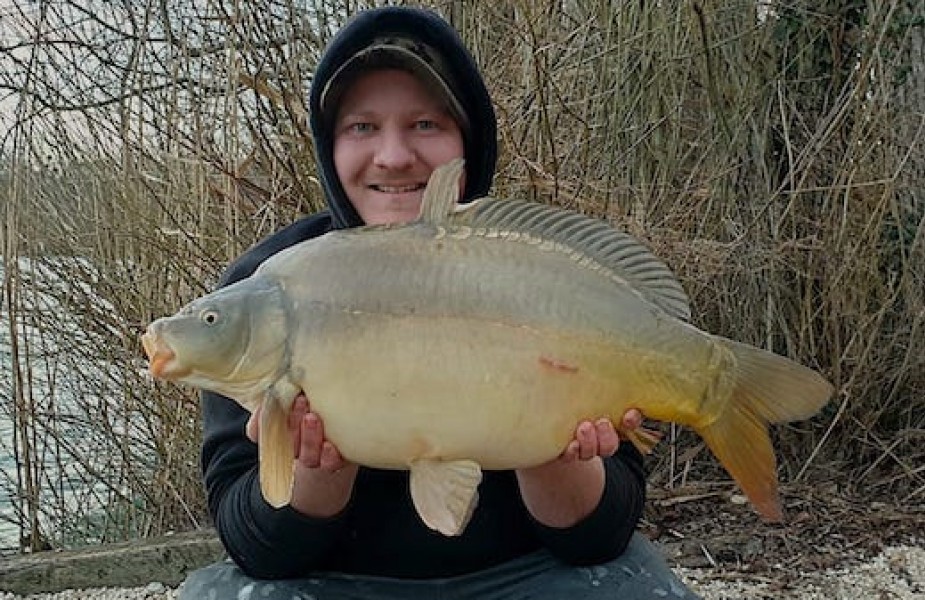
[{"x": 770, "y": 151}]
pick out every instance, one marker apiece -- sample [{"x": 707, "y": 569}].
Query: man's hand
[
  {"x": 323, "y": 480},
  {"x": 567, "y": 489},
  {"x": 599, "y": 438}
]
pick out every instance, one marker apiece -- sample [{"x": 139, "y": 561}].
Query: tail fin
[
  {"x": 768, "y": 389},
  {"x": 276, "y": 452}
]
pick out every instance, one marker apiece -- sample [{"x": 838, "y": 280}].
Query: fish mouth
[{"x": 160, "y": 355}]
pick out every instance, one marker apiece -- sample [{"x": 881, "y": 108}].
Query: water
[
  {"x": 79, "y": 413},
  {"x": 9, "y": 531}
]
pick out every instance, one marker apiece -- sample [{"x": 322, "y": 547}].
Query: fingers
[
  {"x": 297, "y": 414},
  {"x": 586, "y": 434},
  {"x": 632, "y": 419},
  {"x": 600, "y": 438},
  {"x": 312, "y": 438},
  {"x": 607, "y": 438},
  {"x": 311, "y": 450},
  {"x": 596, "y": 439},
  {"x": 298, "y": 411},
  {"x": 592, "y": 439},
  {"x": 331, "y": 460},
  {"x": 315, "y": 452}
]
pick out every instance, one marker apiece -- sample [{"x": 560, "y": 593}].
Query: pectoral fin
[
  {"x": 276, "y": 452},
  {"x": 445, "y": 493}
]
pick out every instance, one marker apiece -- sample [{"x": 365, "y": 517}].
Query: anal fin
[
  {"x": 643, "y": 438},
  {"x": 445, "y": 493}
]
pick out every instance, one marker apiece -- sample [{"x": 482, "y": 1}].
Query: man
[{"x": 396, "y": 95}]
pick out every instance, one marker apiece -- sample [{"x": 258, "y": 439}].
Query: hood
[{"x": 481, "y": 144}]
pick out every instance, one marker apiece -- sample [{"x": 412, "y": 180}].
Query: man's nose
[{"x": 394, "y": 151}]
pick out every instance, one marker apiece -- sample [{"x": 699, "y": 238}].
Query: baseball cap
[{"x": 413, "y": 56}]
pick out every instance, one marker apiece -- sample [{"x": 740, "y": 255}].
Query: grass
[{"x": 775, "y": 163}]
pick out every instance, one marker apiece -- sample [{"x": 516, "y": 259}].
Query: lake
[{"x": 78, "y": 422}]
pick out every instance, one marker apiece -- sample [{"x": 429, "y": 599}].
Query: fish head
[{"x": 231, "y": 341}]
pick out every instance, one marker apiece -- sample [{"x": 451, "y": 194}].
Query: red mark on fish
[{"x": 558, "y": 365}]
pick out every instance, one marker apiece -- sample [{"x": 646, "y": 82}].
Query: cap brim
[{"x": 383, "y": 56}]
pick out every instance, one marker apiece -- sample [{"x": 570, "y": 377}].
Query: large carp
[{"x": 477, "y": 337}]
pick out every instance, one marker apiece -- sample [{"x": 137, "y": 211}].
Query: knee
[
  {"x": 218, "y": 580},
  {"x": 645, "y": 573}
]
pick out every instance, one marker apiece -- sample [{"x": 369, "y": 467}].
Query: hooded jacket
[{"x": 379, "y": 533}]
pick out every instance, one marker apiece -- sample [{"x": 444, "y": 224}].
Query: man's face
[{"x": 389, "y": 136}]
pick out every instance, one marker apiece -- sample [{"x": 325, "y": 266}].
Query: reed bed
[{"x": 771, "y": 152}]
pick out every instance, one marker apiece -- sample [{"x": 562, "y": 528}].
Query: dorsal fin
[
  {"x": 592, "y": 239},
  {"x": 614, "y": 250},
  {"x": 442, "y": 192}
]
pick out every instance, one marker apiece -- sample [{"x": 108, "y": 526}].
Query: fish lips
[{"x": 161, "y": 357}]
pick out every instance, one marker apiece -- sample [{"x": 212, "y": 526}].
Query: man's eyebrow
[{"x": 354, "y": 114}]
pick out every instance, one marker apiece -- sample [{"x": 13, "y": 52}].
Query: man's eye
[
  {"x": 426, "y": 124},
  {"x": 360, "y": 127}
]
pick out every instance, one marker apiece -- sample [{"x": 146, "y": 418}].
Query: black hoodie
[{"x": 379, "y": 532}]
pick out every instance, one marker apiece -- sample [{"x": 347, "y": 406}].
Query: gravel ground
[{"x": 897, "y": 573}]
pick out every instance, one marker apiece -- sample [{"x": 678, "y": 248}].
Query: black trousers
[{"x": 641, "y": 573}]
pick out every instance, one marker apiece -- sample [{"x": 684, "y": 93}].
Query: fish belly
[{"x": 394, "y": 389}]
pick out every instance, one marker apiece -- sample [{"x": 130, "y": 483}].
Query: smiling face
[{"x": 390, "y": 134}]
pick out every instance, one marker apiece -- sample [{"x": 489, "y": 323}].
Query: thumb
[{"x": 632, "y": 419}]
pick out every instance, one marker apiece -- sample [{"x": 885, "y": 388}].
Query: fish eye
[{"x": 209, "y": 317}]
